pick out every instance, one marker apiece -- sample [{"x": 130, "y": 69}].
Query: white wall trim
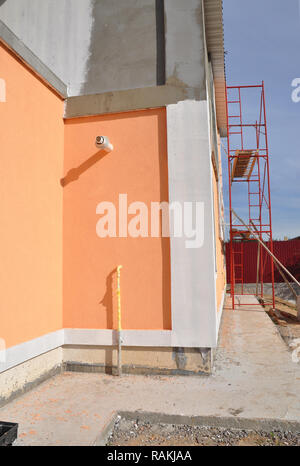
[
  {"x": 18, "y": 354},
  {"x": 23, "y": 352},
  {"x": 99, "y": 337},
  {"x": 219, "y": 316},
  {"x": 143, "y": 338}
]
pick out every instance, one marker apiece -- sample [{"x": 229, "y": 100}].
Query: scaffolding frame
[{"x": 248, "y": 162}]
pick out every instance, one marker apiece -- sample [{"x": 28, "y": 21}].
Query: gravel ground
[{"x": 137, "y": 433}]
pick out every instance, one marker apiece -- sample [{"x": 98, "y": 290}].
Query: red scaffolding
[{"x": 248, "y": 163}]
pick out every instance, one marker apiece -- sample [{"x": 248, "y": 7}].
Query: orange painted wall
[
  {"x": 31, "y": 144},
  {"x": 137, "y": 166}
]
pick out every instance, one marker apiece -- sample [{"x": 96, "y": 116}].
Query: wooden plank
[
  {"x": 252, "y": 167},
  {"x": 233, "y": 168},
  {"x": 241, "y": 163}
]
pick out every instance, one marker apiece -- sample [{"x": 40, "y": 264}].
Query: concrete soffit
[
  {"x": 163, "y": 95},
  {"x": 127, "y": 100},
  {"x": 213, "y": 17},
  {"x": 26, "y": 56}
]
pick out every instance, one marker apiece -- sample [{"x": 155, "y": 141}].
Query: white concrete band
[
  {"x": 18, "y": 354},
  {"x": 98, "y": 337},
  {"x": 30, "y": 349},
  {"x": 220, "y": 312},
  {"x": 193, "y": 289}
]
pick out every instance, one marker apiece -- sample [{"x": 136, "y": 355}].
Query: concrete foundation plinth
[{"x": 138, "y": 360}]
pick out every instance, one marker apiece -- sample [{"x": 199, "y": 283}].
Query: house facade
[{"x": 149, "y": 75}]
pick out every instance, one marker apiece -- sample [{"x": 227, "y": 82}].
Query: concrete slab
[
  {"x": 245, "y": 303},
  {"x": 254, "y": 378}
]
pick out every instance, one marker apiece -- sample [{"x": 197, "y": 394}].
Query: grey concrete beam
[
  {"x": 128, "y": 100},
  {"x": 11, "y": 41}
]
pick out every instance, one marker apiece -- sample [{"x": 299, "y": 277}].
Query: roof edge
[
  {"x": 214, "y": 32},
  {"x": 14, "y": 44}
]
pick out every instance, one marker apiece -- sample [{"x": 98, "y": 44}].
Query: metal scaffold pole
[{"x": 248, "y": 166}]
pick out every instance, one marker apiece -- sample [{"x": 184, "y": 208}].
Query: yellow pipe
[
  {"x": 119, "y": 297},
  {"x": 119, "y": 320}
]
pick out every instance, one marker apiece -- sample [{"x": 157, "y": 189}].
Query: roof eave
[
  {"x": 214, "y": 30},
  {"x": 26, "y": 56}
]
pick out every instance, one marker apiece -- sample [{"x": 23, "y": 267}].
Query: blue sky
[{"x": 262, "y": 40}]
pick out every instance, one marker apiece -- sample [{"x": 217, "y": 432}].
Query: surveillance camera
[
  {"x": 102, "y": 143},
  {"x": 100, "y": 140}
]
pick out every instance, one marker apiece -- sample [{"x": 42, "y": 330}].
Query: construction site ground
[
  {"x": 255, "y": 386},
  {"x": 285, "y": 319},
  {"x": 140, "y": 433}
]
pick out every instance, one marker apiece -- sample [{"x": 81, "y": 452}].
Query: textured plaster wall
[
  {"x": 98, "y": 46},
  {"x": 31, "y": 203},
  {"x": 138, "y": 167},
  {"x": 92, "y": 45}
]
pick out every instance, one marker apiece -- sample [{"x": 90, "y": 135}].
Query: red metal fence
[{"x": 288, "y": 252}]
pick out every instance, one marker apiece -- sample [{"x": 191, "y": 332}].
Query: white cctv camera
[{"x": 102, "y": 143}]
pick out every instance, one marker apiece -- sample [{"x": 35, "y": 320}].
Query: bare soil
[
  {"x": 284, "y": 317},
  {"x": 137, "y": 433}
]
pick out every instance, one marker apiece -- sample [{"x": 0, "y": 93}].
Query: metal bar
[
  {"x": 243, "y": 87},
  {"x": 257, "y": 267},
  {"x": 241, "y": 120},
  {"x": 269, "y": 191},
  {"x": 258, "y": 175},
  {"x": 253, "y": 150},
  {"x": 242, "y": 180},
  {"x": 282, "y": 274},
  {"x": 230, "y": 206},
  {"x": 230, "y": 215},
  {"x": 249, "y": 304},
  {"x": 245, "y": 125}
]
